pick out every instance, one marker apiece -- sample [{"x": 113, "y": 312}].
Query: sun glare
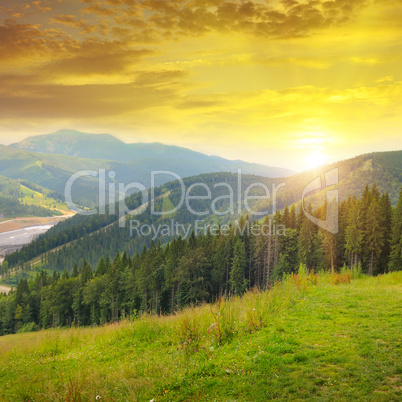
[{"x": 315, "y": 159}]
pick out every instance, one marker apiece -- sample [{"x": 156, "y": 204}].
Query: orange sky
[{"x": 282, "y": 82}]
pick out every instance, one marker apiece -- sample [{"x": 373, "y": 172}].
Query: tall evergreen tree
[
  {"x": 374, "y": 235},
  {"x": 395, "y": 263},
  {"x": 386, "y": 224},
  {"x": 354, "y": 233},
  {"x": 237, "y": 280}
]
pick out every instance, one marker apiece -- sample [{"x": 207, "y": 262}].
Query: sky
[{"x": 290, "y": 83}]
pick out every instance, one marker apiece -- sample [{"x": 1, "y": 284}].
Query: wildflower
[{"x": 98, "y": 397}]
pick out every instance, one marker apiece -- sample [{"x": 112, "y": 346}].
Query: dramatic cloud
[{"x": 240, "y": 78}]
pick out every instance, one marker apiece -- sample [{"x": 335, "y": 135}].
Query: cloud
[
  {"x": 74, "y": 21},
  {"x": 366, "y": 60},
  {"x": 237, "y": 73},
  {"x": 309, "y": 62},
  {"x": 97, "y": 9},
  {"x": 43, "y": 6},
  {"x": 20, "y": 42},
  {"x": 159, "y": 78},
  {"x": 176, "y": 18},
  {"x": 294, "y": 19},
  {"x": 81, "y": 101},
  {"x": 31, "y": 96},
  {"x": 56, "y": 54},
  {"x": 96, "y": 57},
  {"x": 388, "y": 78}
]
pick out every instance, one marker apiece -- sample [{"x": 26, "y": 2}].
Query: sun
[{"x": 315, "y": 159}]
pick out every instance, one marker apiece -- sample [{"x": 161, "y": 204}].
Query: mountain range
[
  {"x": 50, "y": 160},
  {"x": 107, "y": 147},
  {"x": 101, "y": 236}
]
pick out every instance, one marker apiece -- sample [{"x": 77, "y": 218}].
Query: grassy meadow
[
  {"x": 32, "y": 197},
  {"x": 324, "y": 337}
]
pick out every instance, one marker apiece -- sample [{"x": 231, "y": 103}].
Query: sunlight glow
[{"x": 315, "y": 159}]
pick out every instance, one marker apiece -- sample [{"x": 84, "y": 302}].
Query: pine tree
[
  {"x": 74, "y": 272},
  {"x": 307, "y": 241},
  {"x": 221, "y": 262},
  {"x": 354, "y": 233},
  {"x": 386, "y": 224},
  {"x": 192, "y": 241},
  {"x": 292, "y": 217},
  {"x": 364, "y": 205},
  {"x": 286, "y": 217},
  {"x": 86, "y": 273},
  {"x": 395, "y": 263},
  {"x": 237, "y": 281},
  {"x": 65, "y": 275},
  {"x": 101, "y": 268},
  {"x": 374, "y": 235}
]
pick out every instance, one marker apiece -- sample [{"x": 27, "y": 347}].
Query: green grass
[
  {"x": 299, "y": 341},
  {"x": 32, "y": 197},
  {"x": 167, "y": 206}
]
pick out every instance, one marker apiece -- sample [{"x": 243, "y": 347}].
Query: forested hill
[
  {"x": 384, "y": 169},
  {"x": 203, "y": 268},
  {"x": 20, "y": 198}
]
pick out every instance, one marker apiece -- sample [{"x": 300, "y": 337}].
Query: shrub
[
  {"x": 30, "y": 327},
  {"x": 343, "y": 277},
  {"x": 302, "y": 280}
]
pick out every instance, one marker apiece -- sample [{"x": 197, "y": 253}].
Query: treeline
[{"x": 201, "y": 268}]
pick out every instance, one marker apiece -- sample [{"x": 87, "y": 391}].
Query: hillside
[
  {"x": 51, "y": 172},
  {"x": 39, "y": 165},
  {"x": 22, "y": 198},
  {"x": 384, "y": 169},
  {"x": 143, "y": 156},
  {"x": 300, "y": 340}
]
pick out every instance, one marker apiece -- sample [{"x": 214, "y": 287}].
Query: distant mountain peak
[{"x": 107, "y": 147}]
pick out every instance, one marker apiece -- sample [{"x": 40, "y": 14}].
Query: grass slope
[
  {"x": 32, "y": 197},
  {"x": 298, "y": 341},
  {"x": 13, "y": 193}
]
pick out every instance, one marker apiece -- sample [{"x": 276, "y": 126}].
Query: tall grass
[
  {"x": 211, "y": 324},
  {"x": 85, "y": 363}
]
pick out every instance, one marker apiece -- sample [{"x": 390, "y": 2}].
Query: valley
[
  {"x": 25, "y": 222},
  {"x": 16, "y": 233}
]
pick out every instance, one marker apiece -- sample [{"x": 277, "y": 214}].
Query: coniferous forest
[{"x": 186, "y": 271}]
